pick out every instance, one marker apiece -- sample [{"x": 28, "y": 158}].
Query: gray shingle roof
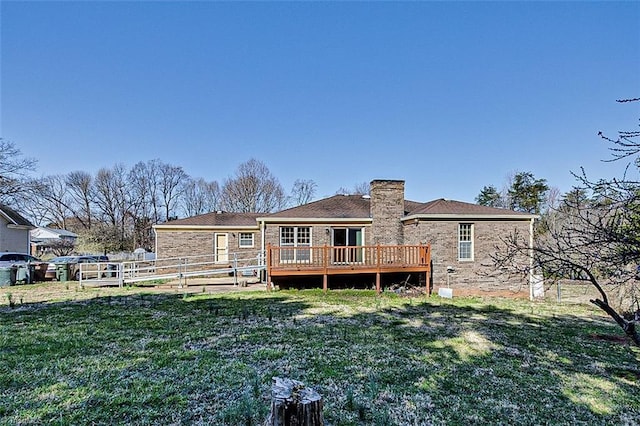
[
  {"x": 218, "y": 219},
  {"x": 14, "y": 217},
  {"x": 343, "y": 207},
  {"x": 338, "y": 206},
  {"x": 451, "y": 207}
]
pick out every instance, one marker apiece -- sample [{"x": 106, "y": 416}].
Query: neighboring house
[
  {"x": 45, "y": 240},
  {"x": 441, "y": 242},
  {"x": 14, "y": 231}
]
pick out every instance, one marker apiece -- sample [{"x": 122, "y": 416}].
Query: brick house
[
  {"x": 441, "y": 242},
  {"x": 217, "y": 234}
]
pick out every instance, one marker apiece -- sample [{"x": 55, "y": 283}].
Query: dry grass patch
[{"x": 141, "y": 358}]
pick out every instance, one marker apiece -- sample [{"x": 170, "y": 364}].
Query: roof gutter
[
  {"x": 205, "y": 227},
  {"x": 470, "y": 216},
  {"x": 14, "y": 226},
  {"x": 315, "y": 220}
]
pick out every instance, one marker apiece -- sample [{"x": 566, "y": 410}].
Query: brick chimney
[{"x": 387, "y": 210}]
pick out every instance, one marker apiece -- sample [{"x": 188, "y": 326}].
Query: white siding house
[{"x": 14, "y": 231}]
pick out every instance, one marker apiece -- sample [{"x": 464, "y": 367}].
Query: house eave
[
  {"x": 314, "y": 220},
  {"x": 14, "y": 226},
  {"x": 453, "y": 216},
  {"x": 205, "y": 227}
]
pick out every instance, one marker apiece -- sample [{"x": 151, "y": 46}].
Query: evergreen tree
[
  {"x": 526, "y": 193},
  {"x": 490, "y": 197}
]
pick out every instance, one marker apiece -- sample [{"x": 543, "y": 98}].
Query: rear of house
[
  {"x": 442, "y": 243},
  {"x": 461, "y": 236},
  {"x": 218, "y": 236}
]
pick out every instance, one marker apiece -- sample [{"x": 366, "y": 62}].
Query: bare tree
[
  {"x": 81, "y": 192},
  {"x": 32, "y": 206},
  {"x": 14, "y": 171},
  {"x": 52, "y": 194},
  {"x": 361, "y": 188},
  {"x": 62, "y": 247},
  {"x": 141, "y": 207},
  {"x": 113, "y": 203},
  {"x": 302, "y": 192},
  {"x": 253, "y": 189},
  {"x": 200, "y": 196},
  {"x": 552, "y": 201},
  {"x": 594, "y": 236},
  {"x": 171, "y": 179}
]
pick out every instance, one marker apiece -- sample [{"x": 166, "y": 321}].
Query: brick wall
[
  {"x": 319, "y": 234},
  {"x": 387, "y": 209},
  {"x": 184, "y": 243},
  {"x": 474, "y": 276}
]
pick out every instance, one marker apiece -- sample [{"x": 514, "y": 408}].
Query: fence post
[
  {"x": 235, "y": 269},
  {"x": 120, "y": 274}
]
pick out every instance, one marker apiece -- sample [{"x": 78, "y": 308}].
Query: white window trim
[
  {"x": 253, "y": 240},
  {"x": 472, "y": 258},
  {"x": 295, "y": 244}
]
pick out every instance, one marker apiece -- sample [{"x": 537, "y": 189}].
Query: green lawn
[{"x": 122, "y": 356}]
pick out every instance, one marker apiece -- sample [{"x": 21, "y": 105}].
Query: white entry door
[{"x": 221, "y": 249}]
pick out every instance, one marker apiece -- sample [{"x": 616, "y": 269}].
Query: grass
[{"x": 128, "y": 356}]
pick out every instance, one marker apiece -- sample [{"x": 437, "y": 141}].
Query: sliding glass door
[{"x": 346, "y": 242}]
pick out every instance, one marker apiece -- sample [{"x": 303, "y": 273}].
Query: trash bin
[
  {"x": 62, "y": 272},
  {"x": 24, "y": 273},
  {"x": 39, "y": 271},
  {"x": 8, "y": 276}
]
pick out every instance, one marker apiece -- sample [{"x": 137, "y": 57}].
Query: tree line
[{"x": 115, "y": 208}]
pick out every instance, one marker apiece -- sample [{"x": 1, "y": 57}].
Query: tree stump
[{"x": 294, "y": 404}]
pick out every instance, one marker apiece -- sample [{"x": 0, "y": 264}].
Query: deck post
[
  {"x": 378, "y": 262},
  {"x": 268, "y": 265},
  {"x": 427, "y": 260},
  {"x": 427, "y": 283},
  {"x": 325, "y": 264}
]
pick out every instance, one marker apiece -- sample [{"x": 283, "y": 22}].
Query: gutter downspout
[
  {"x": 263, "y": 253},
  {"x": 155, "y": 245},
  {"x": 262, "y": 242}
]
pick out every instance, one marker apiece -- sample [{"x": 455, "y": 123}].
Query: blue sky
[{"x": 447, "y": 96}]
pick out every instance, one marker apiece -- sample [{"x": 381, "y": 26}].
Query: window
[
  {"x": 465, "y": 241},
  {"x": 246, "y": 239},
  {"x": 296, "y": 243}
]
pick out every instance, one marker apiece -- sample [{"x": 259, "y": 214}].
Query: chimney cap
[{"x": 387, "y": 181}]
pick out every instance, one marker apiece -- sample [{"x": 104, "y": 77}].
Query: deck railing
[{"x": 282, "y": 260}]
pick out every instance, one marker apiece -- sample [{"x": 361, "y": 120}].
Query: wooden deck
[{"x": 335, "y": 260}]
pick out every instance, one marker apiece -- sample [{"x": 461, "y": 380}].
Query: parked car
[
  {"x": 13, "y": 258},
  {"x": 74, "y": 262}
]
